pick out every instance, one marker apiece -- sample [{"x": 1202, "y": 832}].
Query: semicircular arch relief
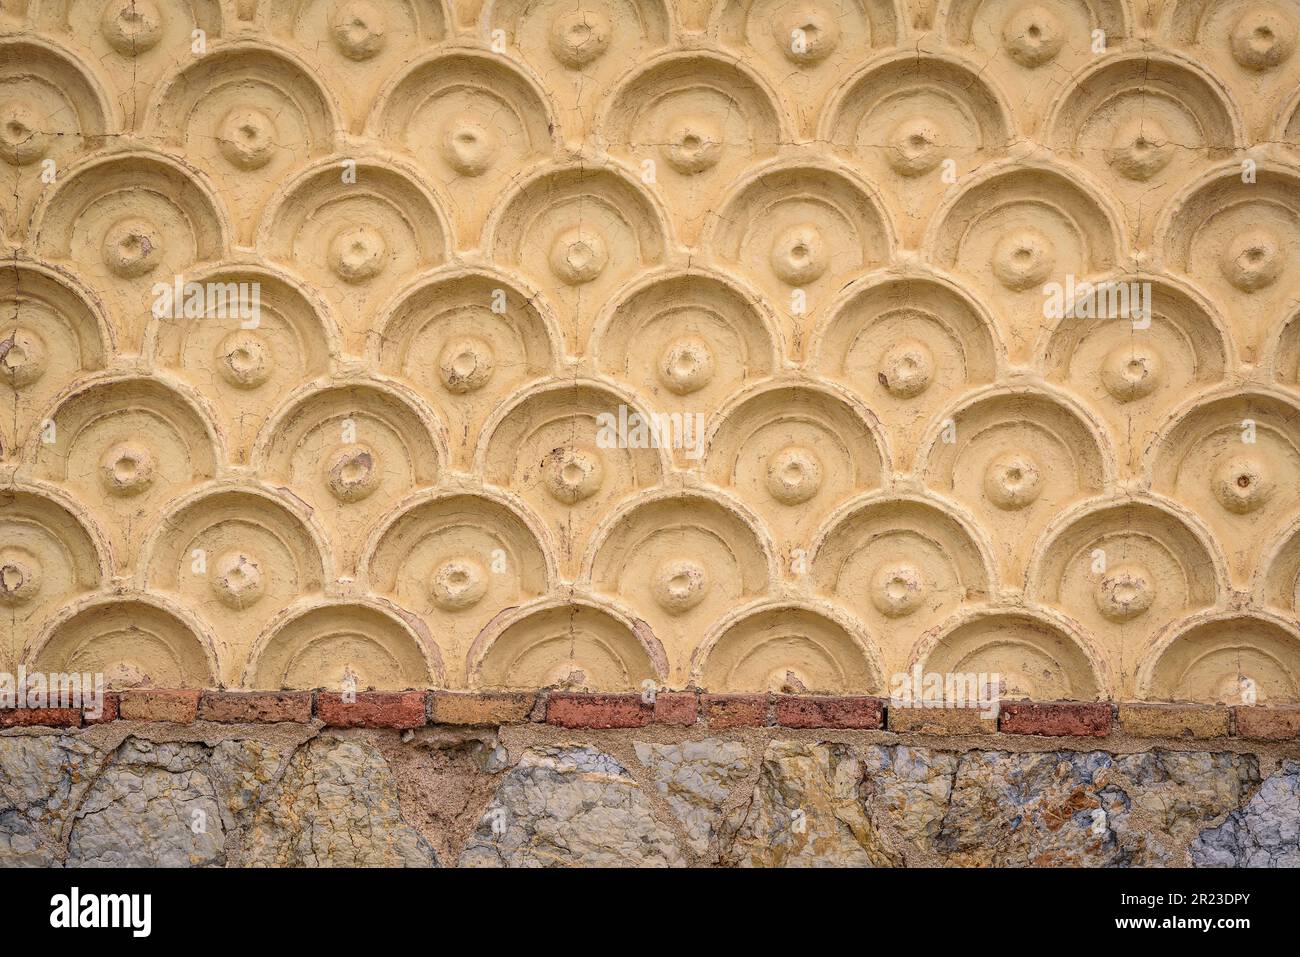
[{"x": 745, "y": 345}]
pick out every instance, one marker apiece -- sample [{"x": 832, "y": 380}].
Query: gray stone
[
  {"x": 155, "y": 804},
  {"x": 908, "y": 791},
  {"x": 334, "y": 801},
  {"x": 807, "y": 810},
  {"x": 570, "y": 807},
  {"x": 905, "y": 805},
  {"x": 1171, "y": 796},
  {"x": 696, "y": 778},
  {"x": 1265, "y": 833},
  {"x": 335, "y": 806},
  {"x": 42, "y": 778},
  {"x": 242, "y": 771},
  {"x": 1089, "y": 809}
]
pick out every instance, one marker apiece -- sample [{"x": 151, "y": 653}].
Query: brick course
[
  {"x": 735, "y": 710},
  {"x": 373, "y": 709},
  {"x": 830, "y": 712},
  {"x": 1266, "y": 724},
  {"x": 680, "y": 709},
  {"x": 1173, "y": 721},
  {"x": 569, "y": 710},
  {"x": 1056, "y": 718},
  {"x": 255, "y": 706},
  {"x": 181, "y": 707},
  {"x": 456, "y": 707}
]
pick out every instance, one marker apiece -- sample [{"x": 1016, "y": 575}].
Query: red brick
[
  {"x": 372, "y": 709},
  {"x": 457, "y": 707},
  {"x": 829, "y": 712},
  {"x": 47, "y": 717},
  {"x": 569, "y": 710},
  {"x": 1089, "y": 719},
  {"x": 680, "y": 708},
  {"x": 109, "y": 712},
  {"x": 237, "y": 707},
  {"x": 735, "y": 710},
  {"x": 181, "y": 707},
  {"x": 1266, "y": 724}
]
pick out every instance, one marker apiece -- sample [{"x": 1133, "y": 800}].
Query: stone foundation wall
[{"x": 530, "y": 792}]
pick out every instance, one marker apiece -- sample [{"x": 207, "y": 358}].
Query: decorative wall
[{"x": 780, "y": 345}]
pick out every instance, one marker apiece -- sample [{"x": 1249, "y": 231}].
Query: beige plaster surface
[{"x": 813, "y": 235}]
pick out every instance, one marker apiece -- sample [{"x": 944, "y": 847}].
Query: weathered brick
[
  {"x": 255, "y": 706},
  {"x": 847, "y": 711},
  {"x": 569, "y": 710},
  {"x": 457, "y": 707},
  {"x": 1173, "y": 720},
  {"x": 678, "y": 708},
  {"x": 372, "y": 709},
  {"x": 1089, "y": 719},
  {"x": 108, "y": 713},
  {"x": 45, "y": 717},
  {"x": 941, "y": 721},
  {"x": 147, "y": 705},
  {"x": 735, "y": 710},
  {"x": 1266, "y": 724}
]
